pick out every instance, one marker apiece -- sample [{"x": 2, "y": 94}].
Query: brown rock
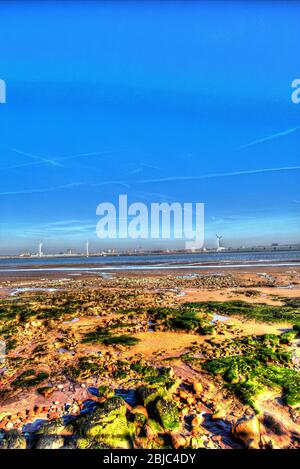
[
  {"x": 178, "y": 440},
  {"x": 150, "y": 434},
  {"x": 183, "y": 395},
  {"x": 248, "y": 430},
  {"x": 198, "y": 419},
  {"x": 196, "y": 431},
  {"x": 53, "y": 415},
  {"x": 139, "y": 409},
  {"x": 46, "y": 391},
  {"x": 3, "y": 423},
  {"x": 190, "y": 400},
  {"x": 141, "y": 443},
  {"x": 30, "y": 414},
  {"x": 198, "y": 388}
]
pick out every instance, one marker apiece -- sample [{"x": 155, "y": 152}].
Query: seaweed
[
  {"x": 183, "y": 318},
  {"x": 126, "y": 340},
  {"x": 288, "y": 337},
  {"x": 258, "y": 311},
  {"x": 258, "y": 367},
  {"x": 145, "y": 370},
  {"x": 86, "y": 367},
  {"x": 29, "y": 378},
  {"x": 102, "y": 336}
]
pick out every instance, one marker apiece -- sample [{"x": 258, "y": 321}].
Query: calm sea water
[{"x": 181, "y": 260}]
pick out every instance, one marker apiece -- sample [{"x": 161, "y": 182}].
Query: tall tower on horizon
[
  {"x": 87, "y": 248},
  {"x": 218, "y": 242},
  {"x": 40, "y": 251}
]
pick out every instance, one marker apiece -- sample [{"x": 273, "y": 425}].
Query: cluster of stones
[{"x": 172, "y": 418}]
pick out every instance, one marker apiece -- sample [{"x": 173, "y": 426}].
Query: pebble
[{"x": 198, "y": 388}]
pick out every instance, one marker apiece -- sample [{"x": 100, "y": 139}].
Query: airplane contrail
[
  {"x": 205, "y": 176},
  {"x": 40, "y": 159},
  {"x": 42, "y": 190},
  {"x": 126, "y": 184},
  {"x": 270, "y": 137},
  {"x": 52, "y": 161}
]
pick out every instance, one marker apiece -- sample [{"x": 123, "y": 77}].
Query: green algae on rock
[
  {"x": 105, "y": 391},
  {"x": 257, "y": 367},
  {"x": 289, "y": 312},
  {"x": 184, "y": 318},
  {"x": 108, "y": 425},
  {"x": 13, "y": 439},
  {"x": 29, "y": 378},
  {"x": 149, "y": 394},
  {"x": 168, "y": 414},
  {"x": 106, "y": 338}
]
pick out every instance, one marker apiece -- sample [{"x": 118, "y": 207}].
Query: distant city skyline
[
  {"x": 87, "y": 249},
  {"x": 163, "y": 101}
]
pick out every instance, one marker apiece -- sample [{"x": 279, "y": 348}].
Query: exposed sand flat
[{"x": 168, "y": 343}]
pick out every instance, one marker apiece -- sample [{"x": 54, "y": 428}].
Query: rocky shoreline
[{"x": 151, "y": 362}]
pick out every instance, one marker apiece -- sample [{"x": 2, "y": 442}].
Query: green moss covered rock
[
  {"x": 168, "y": 414},
  {"x": 108, "y": 425},
  {"x": 149, "y": 394},
  {"x": 13, "y": 440},
  {"x": 50, "y": 442},
  {"x": 56, "y": 427},
  {"x": 105, "y": 391}
]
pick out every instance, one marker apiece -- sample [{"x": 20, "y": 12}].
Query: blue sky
[{"x": 163, "y": 101}]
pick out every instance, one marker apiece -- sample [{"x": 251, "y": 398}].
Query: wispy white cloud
[
  {"x": 270, "y": 137},
  {"x": 40, "y": 159},
  {"x": 212, "y": 175},
  {"x": 52, "y": 161},
  {"x": 42, "y": 190},
  {"x": 51, "y": 230},
  {"x": 151, "y": 196},
  {"x": 64, "y": 223},
  {"x": 127, "y": 184},
  {"x": 230, "y": 219}
]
